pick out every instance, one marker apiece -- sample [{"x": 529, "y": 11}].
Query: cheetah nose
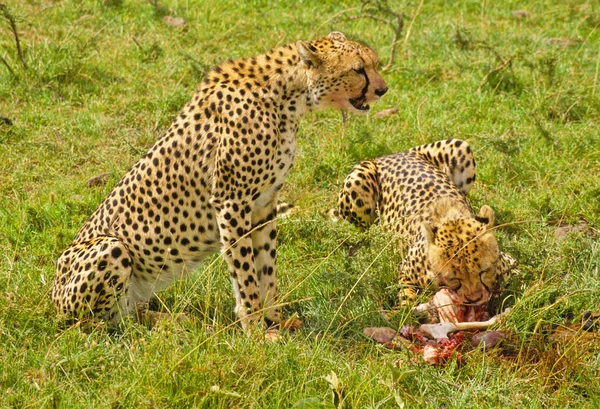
[
  {"x": 379, "y": 92},
  {"x": 474, "y": 301}
]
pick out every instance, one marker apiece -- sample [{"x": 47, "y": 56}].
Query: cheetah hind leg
[
  {"x": 508, "y": 266},
  {"x": 264, "y": 242},
  {"x": 359, "y": 197},
  {"x": 453, "y": 157},
  {"x": 92, "y": 280}
]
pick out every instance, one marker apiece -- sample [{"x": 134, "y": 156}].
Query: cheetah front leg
[
  {"x": 411, "y": 279},
  {"x": 453, "y": 157},
  {"x": 234, "y": 221}
]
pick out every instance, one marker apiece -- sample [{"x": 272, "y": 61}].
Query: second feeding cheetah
[{"x": 420, "y": 195}]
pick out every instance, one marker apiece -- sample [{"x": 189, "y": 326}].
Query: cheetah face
[
  {"x": 463, "y": 255},
  {"x": 341, "y": 74}
]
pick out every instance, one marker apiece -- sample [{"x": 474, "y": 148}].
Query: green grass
[{"x": 105, "y": 78}]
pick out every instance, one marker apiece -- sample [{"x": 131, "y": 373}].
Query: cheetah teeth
[{"x": 358, "y": 104}]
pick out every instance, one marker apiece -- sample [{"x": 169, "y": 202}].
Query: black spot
[
  {"x": 112, "y": 281},
  {"x": 116, "y": 252}
]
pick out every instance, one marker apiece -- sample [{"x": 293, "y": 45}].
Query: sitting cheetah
[
  {"x": 420, "y": 195},
  {"x": 211, "y": 182}
]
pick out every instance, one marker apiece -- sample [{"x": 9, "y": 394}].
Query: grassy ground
[{"x": 103, "y": 80}]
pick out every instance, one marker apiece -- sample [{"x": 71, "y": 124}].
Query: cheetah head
[
  {"x": 462, "y": 254},
  {"x": 341, "y": 74}
]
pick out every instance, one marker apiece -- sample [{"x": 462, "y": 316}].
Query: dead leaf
[
  {"x": 561, "y": 42},
  {"x": 174, "y": 21},
  {"x": 272, "y": 335},
  {"x": 573, "y": 333},
  {"x": 563, "y": 231},
  {"x": 291, "y": 324},
  {"x": 380, "y": 334},
  {"x": 338, "y": 389},
  {"x": 386, "y": 112},
  {"x": 590, "y": 321},
  {"x": 99, "y": 180},
  {"x": 84, "y": 17},
  {"x": 521, "y": 13}
]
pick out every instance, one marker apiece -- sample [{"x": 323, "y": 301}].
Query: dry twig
[
  {"x": 499, "y": 68},
  {"x": 465, "y": 41},
  {"x": 7, "y": 66},
  {"x": 374, "y": 10},
  {"x": 13, "y": 26}
]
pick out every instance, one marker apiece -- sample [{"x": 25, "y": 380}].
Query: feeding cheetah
[
  {"x": 420, "y": 195},
  {"x": 211, "y": 183}
]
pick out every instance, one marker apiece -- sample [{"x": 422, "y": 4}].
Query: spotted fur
[
  {"x": 420, "y": 195},
  {"x": 211, "y": 182}
]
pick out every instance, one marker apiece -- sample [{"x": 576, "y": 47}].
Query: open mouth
[{"x": 359, "y": 103}]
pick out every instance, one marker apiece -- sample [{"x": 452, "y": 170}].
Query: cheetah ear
[
  {"x": 429, "y": 231},
  {"x": 485, "y": 216},
  {"x": 307, "y": 54},
  {"x": 336, "y": 35}
]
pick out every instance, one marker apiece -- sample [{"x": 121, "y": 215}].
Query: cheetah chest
[{"x": 281, "y": 166}]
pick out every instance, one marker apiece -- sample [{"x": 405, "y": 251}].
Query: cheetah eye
[
  {"x": 486, "y": 274},
  {"x": 452, "y": 281},
  {"x": 360, "y": 70}
]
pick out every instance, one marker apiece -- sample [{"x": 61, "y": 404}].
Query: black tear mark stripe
[
  {"x": 366, "y": 87},
  {"x": 484, "y": 285}
]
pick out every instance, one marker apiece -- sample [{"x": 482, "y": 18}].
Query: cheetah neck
[{"x": 277, "y": 77}]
